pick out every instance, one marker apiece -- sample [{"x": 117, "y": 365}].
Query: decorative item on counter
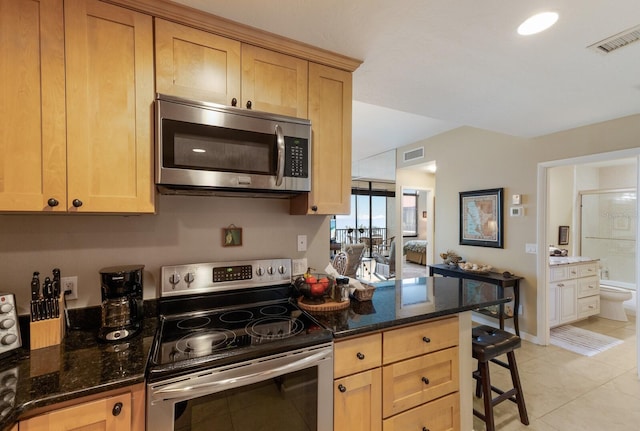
[
  {"x": 314, "y": 286},
  {"x": 475, "y": 267},
  {"x": 364, "y": 293},
  {"x": 46, "y": 328},
  {"x": 450, "y": 258}
]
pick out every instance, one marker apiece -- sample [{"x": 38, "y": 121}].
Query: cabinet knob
[
  {"x": 425, "y": 380},
  {"x": 249, "y": 104},
  {"x": 314, "y": 208},
  {"x": 117, "y": 409},
  {"x": 425, "y": 429},
  {"x": 341, "y": 388},
  {"x": 53, "y": 202},
  {"x": 234, "y": 102},
  {"x": 77, "y": 203},
  {"x": 360, "y": 356},
  {"x": 426, "y": 339}
]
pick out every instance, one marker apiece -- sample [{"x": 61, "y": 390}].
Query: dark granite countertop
[
  {"x": 80, "y": 366},
  {"x": 411, "y": 300}
]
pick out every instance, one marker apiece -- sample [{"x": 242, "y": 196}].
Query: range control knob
[
  {"x": 270, "y": 270},
  {"x": 174, "y": 279},
  {"x": 260, "y": 271},
  {"x": 282, "y": 269},
  {"x": 7, "y": 323},
  {"x": 5, "y": 308},
  {"x": 189, "y": 277},
  {"x": 8, "y": 339}
]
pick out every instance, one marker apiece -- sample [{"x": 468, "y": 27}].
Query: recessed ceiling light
[{"x": 537, "y": 23}]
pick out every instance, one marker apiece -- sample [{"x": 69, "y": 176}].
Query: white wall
[
  {"x": 186, "y": 229},
  {"x": 473, "y": 159}
]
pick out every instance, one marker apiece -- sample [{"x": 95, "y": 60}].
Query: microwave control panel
[{"x": 297, "y": 157}]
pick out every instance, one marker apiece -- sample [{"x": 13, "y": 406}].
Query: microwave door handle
[{"x": 280, "y": 166}]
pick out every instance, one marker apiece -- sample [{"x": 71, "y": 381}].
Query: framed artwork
[
  {"x": 563, "y": 235},
  {"x": 231, "y": 236},
  {"x": 481, "y": 218}
]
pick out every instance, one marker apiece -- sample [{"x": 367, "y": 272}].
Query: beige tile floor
[{"x": 565, "y": 391}]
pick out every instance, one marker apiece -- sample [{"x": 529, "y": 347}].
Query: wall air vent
[
  {"x": 415, "y": 154},
  {"x": 617, "y": 41}
]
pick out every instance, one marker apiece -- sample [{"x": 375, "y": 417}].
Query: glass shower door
[{"x": 608, "y": 232}]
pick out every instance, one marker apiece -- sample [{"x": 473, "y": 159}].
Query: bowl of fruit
[{"x": 314, "y": 286}]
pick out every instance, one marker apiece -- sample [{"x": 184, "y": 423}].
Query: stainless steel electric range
[{"x": 232, "y": 338}]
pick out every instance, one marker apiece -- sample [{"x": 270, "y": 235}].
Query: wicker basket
[{"x": 364, "y": 294}]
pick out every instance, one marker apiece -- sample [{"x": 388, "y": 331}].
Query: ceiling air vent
[
  {"x": 418, "y": 153},
  {"x": 617, "y": 41}
]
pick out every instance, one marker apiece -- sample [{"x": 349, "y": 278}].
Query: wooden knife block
[{"x": 50, "y": 332}]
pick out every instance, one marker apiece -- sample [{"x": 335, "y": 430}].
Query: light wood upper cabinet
[
  {"x": 199, "y": 65},
  {"x": 76, "y": 116},
  {"x": 32, "y": 111},
  {"x": 109, "y": 71},
  {"x": 274, "y": 82},
  {"x": 330, "y": 94},
  {"x": 195, "y": 64}
]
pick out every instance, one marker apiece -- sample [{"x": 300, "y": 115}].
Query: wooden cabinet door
[
  {"x": 99, "y": 415},
  {"x": 274, "y": 82},
  {"x": 357, "y": 402},
  {"x": 109, "y": 71},
  {"x": 32, "y": 110},
  {"x": 330, "y": 103},
  {"x": 195, "y": 64}
]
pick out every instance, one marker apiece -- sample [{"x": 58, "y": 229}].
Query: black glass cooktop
[{"x": 216, "y": 337}]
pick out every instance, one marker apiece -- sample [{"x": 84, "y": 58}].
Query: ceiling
[{"x": 431, "y": 65}]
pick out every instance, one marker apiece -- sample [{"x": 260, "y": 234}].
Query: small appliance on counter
[
  {"x": 9, "y": 327},
  {"x": 122, "y": 309}
]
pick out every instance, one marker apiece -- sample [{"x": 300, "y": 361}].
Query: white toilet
[{"x": 611, "y": 302}]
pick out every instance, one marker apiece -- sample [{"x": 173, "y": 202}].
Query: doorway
[{"x": 546, "y": 230}]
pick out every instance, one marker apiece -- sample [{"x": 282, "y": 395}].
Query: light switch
[
  {"x": 302, "y": 243},
  {"x": 516, "y": 199}
]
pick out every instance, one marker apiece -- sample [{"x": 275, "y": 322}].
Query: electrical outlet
[
  {"x": 69, "y": 283},
  {"x": 299, "y": 266}
]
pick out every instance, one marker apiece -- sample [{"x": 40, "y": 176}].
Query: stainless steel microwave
[{"x": 209, "y": 149}]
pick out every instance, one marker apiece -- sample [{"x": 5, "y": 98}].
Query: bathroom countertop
[{"x": 567, "y": 260}]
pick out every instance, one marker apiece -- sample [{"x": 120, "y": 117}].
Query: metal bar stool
[{"x": 489, "y": 343}]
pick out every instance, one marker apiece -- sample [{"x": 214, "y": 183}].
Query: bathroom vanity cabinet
[{"x": 574, "y": 290}]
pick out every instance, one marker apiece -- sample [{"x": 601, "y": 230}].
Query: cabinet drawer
[
  {"x": 588, "y": 286},
  {"x": 442, "y": 414},
  {"x": 416, "y": 381},
  {"x": 419, "y": 339},
  {"x": 588, "y": 270},
  {"x": 359, "y": 354},
  {"x": 558, "y": 273},
  {"x": 588, "y": 306}
]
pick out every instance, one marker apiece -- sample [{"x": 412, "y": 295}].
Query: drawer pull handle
[
  {"x": 560, "y": 284},
  {"x": 425, "y": 429},
  {"x": 360, "y": 356},
  {"x": 342, "y": 389},
  {"x": 425, "y": 380},
  {"x": 426, "y": 339},
  {"x": 117, "y": 409}
]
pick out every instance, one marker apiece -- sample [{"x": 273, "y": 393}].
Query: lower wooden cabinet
[
  {"x": 117, "y": 412},
  {"x": 401, "y": 379},
  {"x": 357, "y": 402}
]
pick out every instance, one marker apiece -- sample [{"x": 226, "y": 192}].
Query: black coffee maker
[{"x": 121, "y": 302}]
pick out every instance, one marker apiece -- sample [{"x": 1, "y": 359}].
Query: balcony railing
[{"x": 373, "y": 238}]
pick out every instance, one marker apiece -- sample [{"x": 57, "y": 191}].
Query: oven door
[{"x": 289, "y": 391}]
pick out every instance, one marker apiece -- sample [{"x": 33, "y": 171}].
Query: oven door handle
[
  {"x": 281, "y": 147},
  {"x": 184, "y": 389}
]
